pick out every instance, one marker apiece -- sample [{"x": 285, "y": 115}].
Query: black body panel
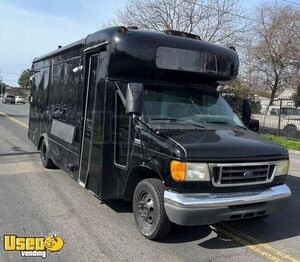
[{"x": 221, "y": 144}]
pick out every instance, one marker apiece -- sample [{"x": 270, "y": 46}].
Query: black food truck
[{"x": 135, "y": 115}]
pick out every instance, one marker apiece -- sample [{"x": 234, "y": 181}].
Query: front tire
[
  {"x": 46, "y": 160},
  {"x": 148, "y": 209}
]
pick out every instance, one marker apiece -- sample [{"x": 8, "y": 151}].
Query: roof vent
[
  {"x": 182, "y": 34},
  {"x": 59, "y": 46}
]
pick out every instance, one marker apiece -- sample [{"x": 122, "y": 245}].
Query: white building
[{"x": 287, "y": 98}]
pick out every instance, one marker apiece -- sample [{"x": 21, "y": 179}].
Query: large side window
[
  {"x": 64, "y": 88},
  {"x": 122, "y": 129}
]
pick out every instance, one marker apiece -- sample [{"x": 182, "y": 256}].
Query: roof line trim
[{"x": 95, "y": 46}]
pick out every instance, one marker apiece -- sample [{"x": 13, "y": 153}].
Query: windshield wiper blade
[
  {"x": 191, "y": 123},
  {"x": 165, "y": 118},
  {"x": 226, "y": 123},
  {"x": 175, "y": 120}
]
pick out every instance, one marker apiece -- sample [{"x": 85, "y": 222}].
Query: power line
[
  {"x": 291, "y": 2},
  {"x": 230, "y": 13},
  {"x": 238, "y": 15}
]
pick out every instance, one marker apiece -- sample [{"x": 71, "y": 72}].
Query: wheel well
[
  {"x": 40, "y": 142},
  {"x": 290, "y": 126},
  {"x": 135, "y": 176}
]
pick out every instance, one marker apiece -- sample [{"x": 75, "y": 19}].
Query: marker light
[
  {"x": 122, "y": 29},
  {"x": 178, "y": 170}
]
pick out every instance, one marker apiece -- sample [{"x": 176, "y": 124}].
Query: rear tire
[
  {"x": 148, "y": 209},
  {"x": 46, "y": 160}
]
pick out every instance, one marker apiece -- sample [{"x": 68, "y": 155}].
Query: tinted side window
[
  {"x": 192, "y": 60},
  {"x": 63, "y": 93},
  {"x": 121, "y": 132}
]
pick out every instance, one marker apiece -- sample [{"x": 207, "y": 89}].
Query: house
[
  {"x": 286, "y": 97},
  {"x": 18, "y": 91}
]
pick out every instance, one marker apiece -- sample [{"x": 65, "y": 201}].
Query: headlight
[
  {"x": 182, "y": 171},
  {"x": 282, "y": 168}
]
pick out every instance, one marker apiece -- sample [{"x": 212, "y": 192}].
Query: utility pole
[
  {"x": 298, "y": 88},
  {"x": 1, "y": 88}
]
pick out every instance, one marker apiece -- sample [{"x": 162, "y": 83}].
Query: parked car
[
  {"x": 9, "y": 99},
  {"x": 20, "y": 99},
  {"x": 289, "y": 118}
]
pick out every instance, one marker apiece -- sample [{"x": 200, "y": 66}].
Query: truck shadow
[
  {"x": 280, "y": 226},
  {"x": 20, "y": 153},
  {"x": 119, "y": 206}
]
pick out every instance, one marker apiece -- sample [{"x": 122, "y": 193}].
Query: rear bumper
[{"x": 209, "y": 208}]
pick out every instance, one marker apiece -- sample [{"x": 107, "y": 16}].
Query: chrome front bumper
[{"x": 208, "y": 208}]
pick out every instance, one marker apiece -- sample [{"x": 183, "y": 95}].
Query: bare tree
[
  {"x": 275, "y": 54},
  {"x": 213, "y": 20}
]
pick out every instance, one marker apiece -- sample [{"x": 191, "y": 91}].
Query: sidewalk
[
  {"x": 295, "y": 163},
  {"x": 294, "y": 151}
]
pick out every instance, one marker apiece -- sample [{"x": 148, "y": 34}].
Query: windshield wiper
[
  {"x": 175, "y": 120},
  {"x": 191, "y": 123},
  {"x": 225, "y": 123},
  {"x": 165, "y": 118}
]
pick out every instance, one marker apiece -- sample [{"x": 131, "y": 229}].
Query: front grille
[{"x": 239, "y": 174}]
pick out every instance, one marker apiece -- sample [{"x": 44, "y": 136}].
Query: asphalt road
[{"x": 39, "y": 202}]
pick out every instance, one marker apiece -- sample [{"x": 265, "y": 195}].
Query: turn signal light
[{"x": 178, "y": 170}]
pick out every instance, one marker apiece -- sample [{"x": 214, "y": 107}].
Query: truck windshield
[
  {"x": 178, "y": 105},
  {"x": 289, "y": 111}
]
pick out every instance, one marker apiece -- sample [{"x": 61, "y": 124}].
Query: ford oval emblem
[{"x": 249, "y": 173}]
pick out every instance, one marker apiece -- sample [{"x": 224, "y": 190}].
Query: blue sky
[{"x": 29, "y": 28}]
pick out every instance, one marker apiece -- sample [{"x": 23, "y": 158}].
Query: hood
[{"x": 226, "y": 144}]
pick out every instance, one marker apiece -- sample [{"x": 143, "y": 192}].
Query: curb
[{"x": 294, "y": 151}]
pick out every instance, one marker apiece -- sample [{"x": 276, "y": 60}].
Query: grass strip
[{"x": 287, "y": 143}]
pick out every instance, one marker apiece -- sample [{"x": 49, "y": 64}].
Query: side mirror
[
  {"x": 253, "y": 125},
  {"x": 246, "y": 111},
  {"x": 134, "y": 99}
]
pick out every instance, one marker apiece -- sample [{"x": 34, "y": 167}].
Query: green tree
[
  {"x": 24, "y": 79},
  {"x": 2, "y": 88}
]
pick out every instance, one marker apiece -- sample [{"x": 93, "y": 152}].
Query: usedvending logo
[{"x": 33, "y": 246}]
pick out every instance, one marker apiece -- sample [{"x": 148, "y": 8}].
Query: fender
[
  {"x": 136, "y": 174},
  {"x": 43, "y": 136}
]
